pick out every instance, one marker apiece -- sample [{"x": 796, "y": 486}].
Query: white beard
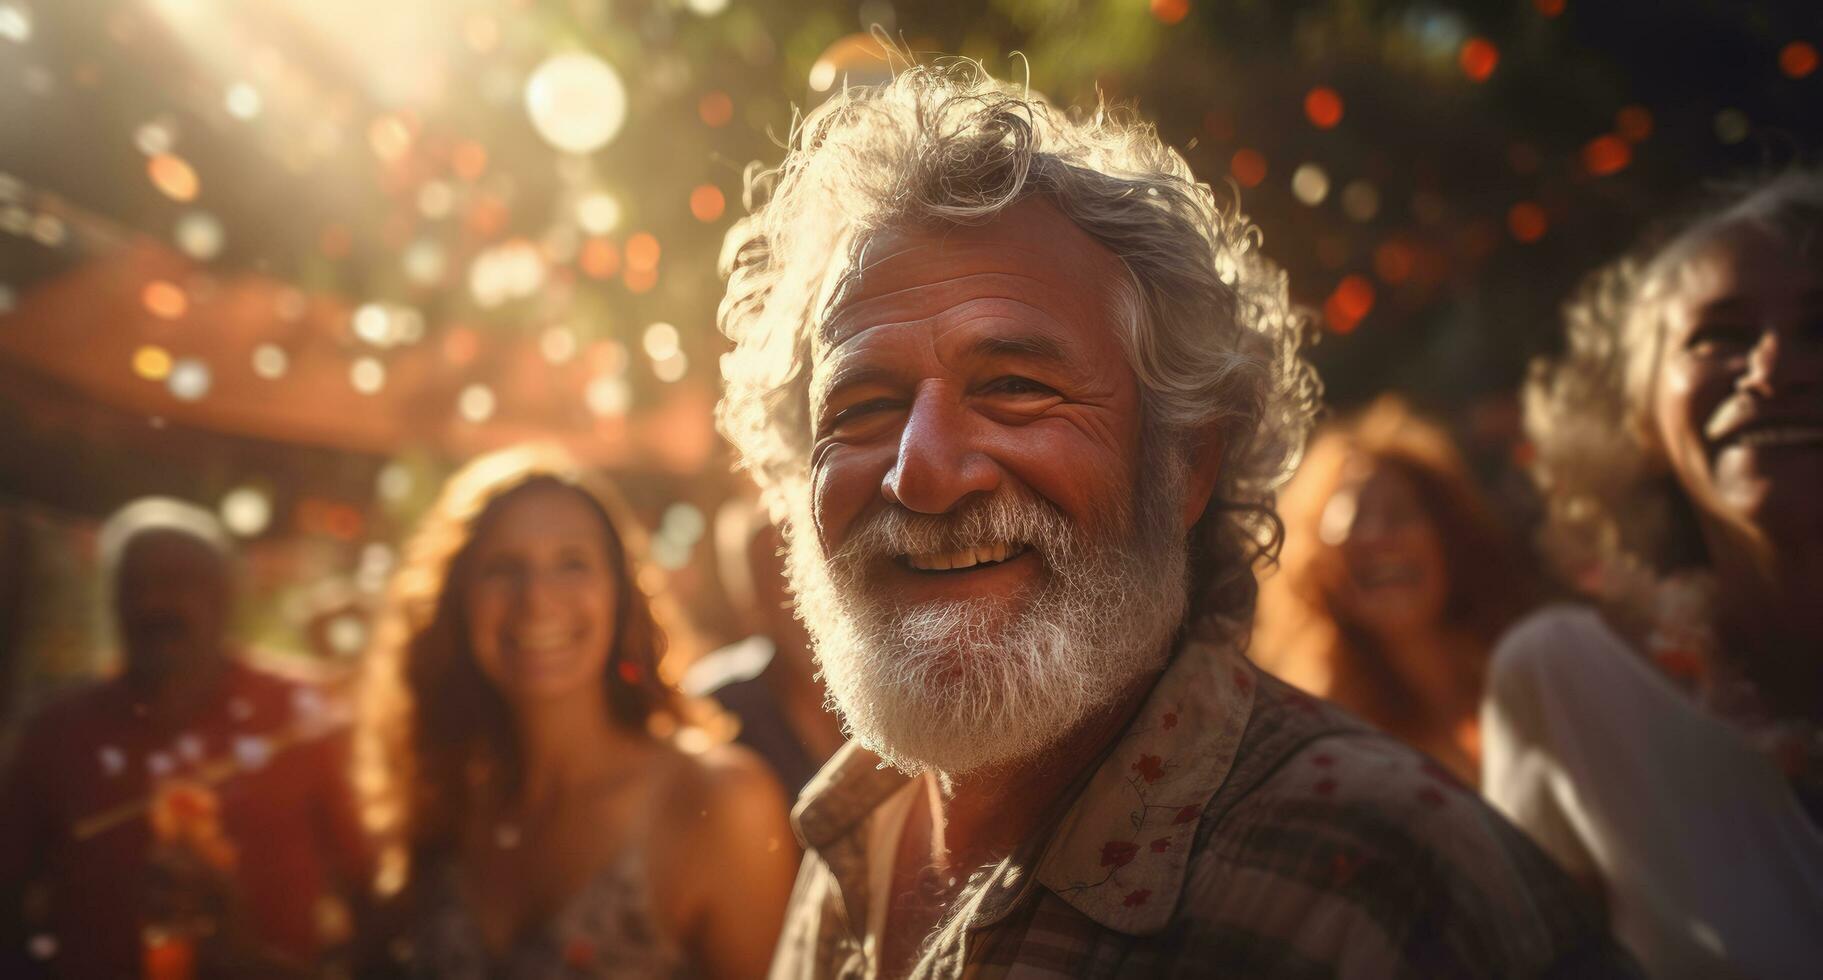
[{"x": 960, "y": 686}]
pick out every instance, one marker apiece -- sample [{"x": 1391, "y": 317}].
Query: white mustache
[{"x": 1007, "y": 518}]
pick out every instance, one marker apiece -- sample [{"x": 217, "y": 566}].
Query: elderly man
[
  {"x": 1024, "y": 389},
  {"x": 190, "y": 783}
]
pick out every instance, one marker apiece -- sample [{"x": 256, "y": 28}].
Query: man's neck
[
  {"x": 985, "y": 815},
  {"x": 966, "y": 822}
]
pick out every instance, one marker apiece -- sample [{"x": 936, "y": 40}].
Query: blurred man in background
[
  {"x": 192, "y": 811},
  {"x": 767, "y": 680}
]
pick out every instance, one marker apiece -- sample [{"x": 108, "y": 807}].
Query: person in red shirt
[{"x": 190, "y": 813}]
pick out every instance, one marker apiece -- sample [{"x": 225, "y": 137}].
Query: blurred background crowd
[{"x": 296, "y": 262}]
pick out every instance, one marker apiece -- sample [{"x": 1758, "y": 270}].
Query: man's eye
[
  {"x": 858, "y": 412},
  {"x": 1012, "y": 384}
]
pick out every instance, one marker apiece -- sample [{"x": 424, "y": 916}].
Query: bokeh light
[
  {"x": 1393, "y": 262},
  {"x": 469, "y": 160},
  {"x": 242, "y": 101},
  {"x": 707, "y": 202},
  {"x": 1349, "y": 303},
  {"x": 173, "y": 177},
  {"x": 152, "y": 362},
  {"x": 1549, "y": 8},
  {"x": 1798, "y": 59},
  {"x": 15, "y": 22},
  {"x": 1633, "y": 123},
  {"x": 608, "y": 397},
  {"x": 1478, "y": 59},
  {"x": 671, "y": 369},
  {"x": 189, "y": 379},
  {"x": 270, "y": 361},
  {"x": 1170, "y": 11},
  {"x": 642, "y": 252},
  {"x": 1248, "y": 167},
  {"x": 155, "y": 137},
  {"x": 1527, "y": 222},
  {"x": 557, "y": 344},
  {"x": 577, "y": 103},
  {"x": 1606, "y": 155},
  {"x": 1361, "y": 201},
  {"x": 476, "y": 403},
  {"x": 199, "y": 235},
  {"x": 600, "y": 258},
  {"x": 390, "y": 137},
  {"x": 715, "y": 109},
  {"x": 1732, "y": 126},
  {"x": 164, "y": 299},
  {"x": 661, "y": 340},
  {"x": 1310, "y": 184},
  {"x": 246, "y": 511},
  {"x": 394, "y": 482},
  {"x": 598, "y": 212},
  {"x": 367, "y": 375},
  {"x": 1323, "y": 107}
]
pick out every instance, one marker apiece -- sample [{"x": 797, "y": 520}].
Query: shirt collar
[{"x": 1121, "y": 850}]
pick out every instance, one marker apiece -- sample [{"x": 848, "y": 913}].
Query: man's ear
[{"x": 1205, "y": 467}]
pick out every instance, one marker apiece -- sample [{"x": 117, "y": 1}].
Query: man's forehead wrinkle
[{"x": 837, "y": 328}]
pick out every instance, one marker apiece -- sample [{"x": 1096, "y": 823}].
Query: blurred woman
[
  {"x": 1394, "y": 582},
  {"x": 524, "y": 757},
  {"x": 1665, "y": 746}
]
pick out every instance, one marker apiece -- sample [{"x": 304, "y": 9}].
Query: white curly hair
[
  {"x": 1612, "y": 508},
  {"x": 1206, "y": 321}
]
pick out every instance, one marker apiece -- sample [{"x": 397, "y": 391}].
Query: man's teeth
[
  {"x": 966, "y": 558},
  {"x": 1781, "y": 435}
]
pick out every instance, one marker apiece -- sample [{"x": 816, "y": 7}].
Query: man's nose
[{"x": 939, "y": 463}]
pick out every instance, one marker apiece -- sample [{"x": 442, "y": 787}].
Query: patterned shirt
[{"x": 1238, "y": 828}]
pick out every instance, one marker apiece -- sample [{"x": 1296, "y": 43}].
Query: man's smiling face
[
  {"x": 978, "y": 559},
  {"x": 968, "y": 362}
]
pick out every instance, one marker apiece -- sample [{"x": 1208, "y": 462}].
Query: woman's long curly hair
[
  {"x": 432, "y": 727},
  {"x": 1303, "y": 628}
]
